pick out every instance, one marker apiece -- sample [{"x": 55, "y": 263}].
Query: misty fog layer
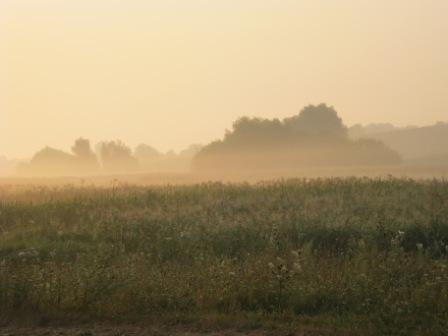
[
  {"x": 417, "y": 145},
  {"x": 108, "y": 157},
  {"x": 175, "y": 72},
  {"x": 316, "y": 137}
]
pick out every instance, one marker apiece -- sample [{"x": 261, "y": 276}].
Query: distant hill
[{"x": 415, "y": 144}]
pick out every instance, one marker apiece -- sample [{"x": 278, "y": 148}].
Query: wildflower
[{"x": 31, "y": 253}]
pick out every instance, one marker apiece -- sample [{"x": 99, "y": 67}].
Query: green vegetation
[{"x": 366, "y": 255}]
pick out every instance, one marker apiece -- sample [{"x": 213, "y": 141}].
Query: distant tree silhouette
[
  {"x": 52, "y": 156},
  {"x": 151, "y": 160},
  {"x": 318, "y": 121},
  {"x": 314, "y": 137},
  {"x": 418, "y": 144},
  {"x": 116, "y": 157},
  {"x": 146, "y": 153},
  {"x": 371, "y": 151},
  {"x": 85, "y": 157},
  {"x": 359, "y": 131},
  {"x": 49, "y": 161},
  {"x": 254, "y": 132},
  {"x": 109, "y": 157},
  {"x": 190, "y": 151},
  {"x": 82, "y": 149}
]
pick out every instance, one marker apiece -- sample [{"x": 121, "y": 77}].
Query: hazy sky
[{"x": 171, "y": 73}]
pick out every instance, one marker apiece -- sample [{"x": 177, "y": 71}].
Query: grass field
[{"x": 367, "y": 256}]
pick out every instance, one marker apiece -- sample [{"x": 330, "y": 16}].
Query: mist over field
[
  {"x": 223, "y": 167},
  {"x": 315, "y": 142},
  {"x": 172, "y": 74}
]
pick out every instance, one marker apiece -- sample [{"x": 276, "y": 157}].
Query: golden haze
[{"x": 170, "y": 73}]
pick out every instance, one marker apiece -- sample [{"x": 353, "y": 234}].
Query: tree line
[
  {"x": 315, "y": 137},
  {"x": 110, "y": 157}
]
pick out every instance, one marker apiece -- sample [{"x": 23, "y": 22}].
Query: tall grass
[{"x": 369, "y": 253}]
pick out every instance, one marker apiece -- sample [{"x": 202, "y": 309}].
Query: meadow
[{"x": 367, "y": 256}]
